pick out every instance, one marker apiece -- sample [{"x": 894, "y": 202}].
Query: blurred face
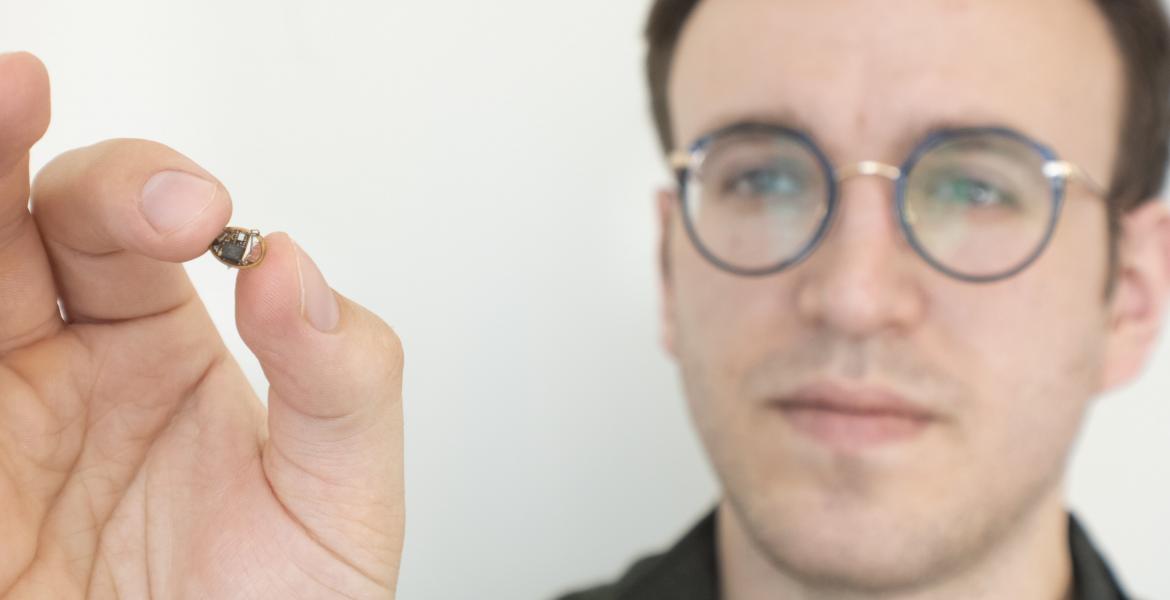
[{"x": 873, "y": 421}]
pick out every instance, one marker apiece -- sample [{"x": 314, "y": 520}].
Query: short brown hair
[{"x": 1142, "y": 35}]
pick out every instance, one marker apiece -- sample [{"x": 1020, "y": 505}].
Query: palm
[{"x": 135, "y": 459}]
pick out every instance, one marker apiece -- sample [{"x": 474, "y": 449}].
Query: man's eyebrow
[
  {"x": 923, "y": 129},
  {"x": 785, "y": 118},
  {"x": 910, "y": 136}
]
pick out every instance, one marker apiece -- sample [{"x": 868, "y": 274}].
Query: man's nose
[{"x": 862, "y": 279}]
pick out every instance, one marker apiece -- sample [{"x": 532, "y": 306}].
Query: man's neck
[{"x": 1032, "y": 562}]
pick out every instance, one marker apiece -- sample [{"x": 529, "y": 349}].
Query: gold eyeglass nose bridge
[{"x": 868, "y": 167}]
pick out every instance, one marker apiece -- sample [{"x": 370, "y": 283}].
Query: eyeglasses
[{"x": 979, "y": 204}]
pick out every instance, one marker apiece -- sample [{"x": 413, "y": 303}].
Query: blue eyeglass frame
[{"x": 1058, "y": 172}]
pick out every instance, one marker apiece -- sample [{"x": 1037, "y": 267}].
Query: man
[
  {"x": 887, "y": 374},
  {"x": 911, "y": 241}
]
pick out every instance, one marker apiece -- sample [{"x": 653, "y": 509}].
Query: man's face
[{"x": 1002, "y": 372}]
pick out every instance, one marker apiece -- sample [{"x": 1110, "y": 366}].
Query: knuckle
[
  {"x": 382, "y": 347},
  {"x": 376, "y": 352},
  {"x": 390, "y": 345}
]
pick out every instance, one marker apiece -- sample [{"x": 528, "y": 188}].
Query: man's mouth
[{"x": 853, "y": 417}]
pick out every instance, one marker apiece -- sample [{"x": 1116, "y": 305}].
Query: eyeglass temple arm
[{"x": 1067, "y": 170}]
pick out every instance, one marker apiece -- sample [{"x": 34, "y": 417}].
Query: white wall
[{"x": 480, "y": 174}]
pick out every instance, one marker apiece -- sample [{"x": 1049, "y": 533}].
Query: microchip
[{"x": 238, "y": 247}]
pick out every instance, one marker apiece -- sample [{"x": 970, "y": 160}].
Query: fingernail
[
  {"x": 318, "y": 303},
  {"x": 172, "y": 199}
]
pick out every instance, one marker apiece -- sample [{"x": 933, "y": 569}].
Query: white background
[{"x": 480, "y": 174}]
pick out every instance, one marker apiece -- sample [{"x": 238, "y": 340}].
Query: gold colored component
[
  {"x": 869, "y": 167},
  {"x": 239, "y": 248},
  {"x": 679, "y": 159},
  {"x": 1063, "y": 169}
]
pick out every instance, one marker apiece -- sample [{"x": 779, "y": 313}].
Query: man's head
[{"x": 998, "y": 375}]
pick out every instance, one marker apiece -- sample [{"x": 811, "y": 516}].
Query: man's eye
[
  {"x": 973, "y": 193},
  {"x": 765, "y": 182}
]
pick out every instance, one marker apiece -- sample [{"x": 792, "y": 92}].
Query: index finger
[{"x": 117, "y": 217}]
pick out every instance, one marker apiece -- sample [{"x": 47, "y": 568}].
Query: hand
[{"x": 135, "y": 459}]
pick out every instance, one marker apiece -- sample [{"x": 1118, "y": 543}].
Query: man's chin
[{"x": 859, "y": 548}]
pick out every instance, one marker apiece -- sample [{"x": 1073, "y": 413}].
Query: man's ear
[
  {"x": 1137, "y": 308},
  {"x": 666, "y": 201}
]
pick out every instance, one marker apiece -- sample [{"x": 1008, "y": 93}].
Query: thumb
[{"x": 334, "y": 450}]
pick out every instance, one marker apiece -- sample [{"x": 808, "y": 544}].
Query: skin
[
  {"x": 972, "y": 507},
  {"x": 135, "y": 460}
]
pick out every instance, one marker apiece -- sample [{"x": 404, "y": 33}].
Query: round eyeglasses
[{"x": 978, "y": 204}]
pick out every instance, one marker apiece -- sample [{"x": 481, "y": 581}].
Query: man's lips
[{"x": 852, "y": 417}]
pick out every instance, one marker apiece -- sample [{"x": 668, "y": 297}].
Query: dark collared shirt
[{"x": 689, "y": 571}]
